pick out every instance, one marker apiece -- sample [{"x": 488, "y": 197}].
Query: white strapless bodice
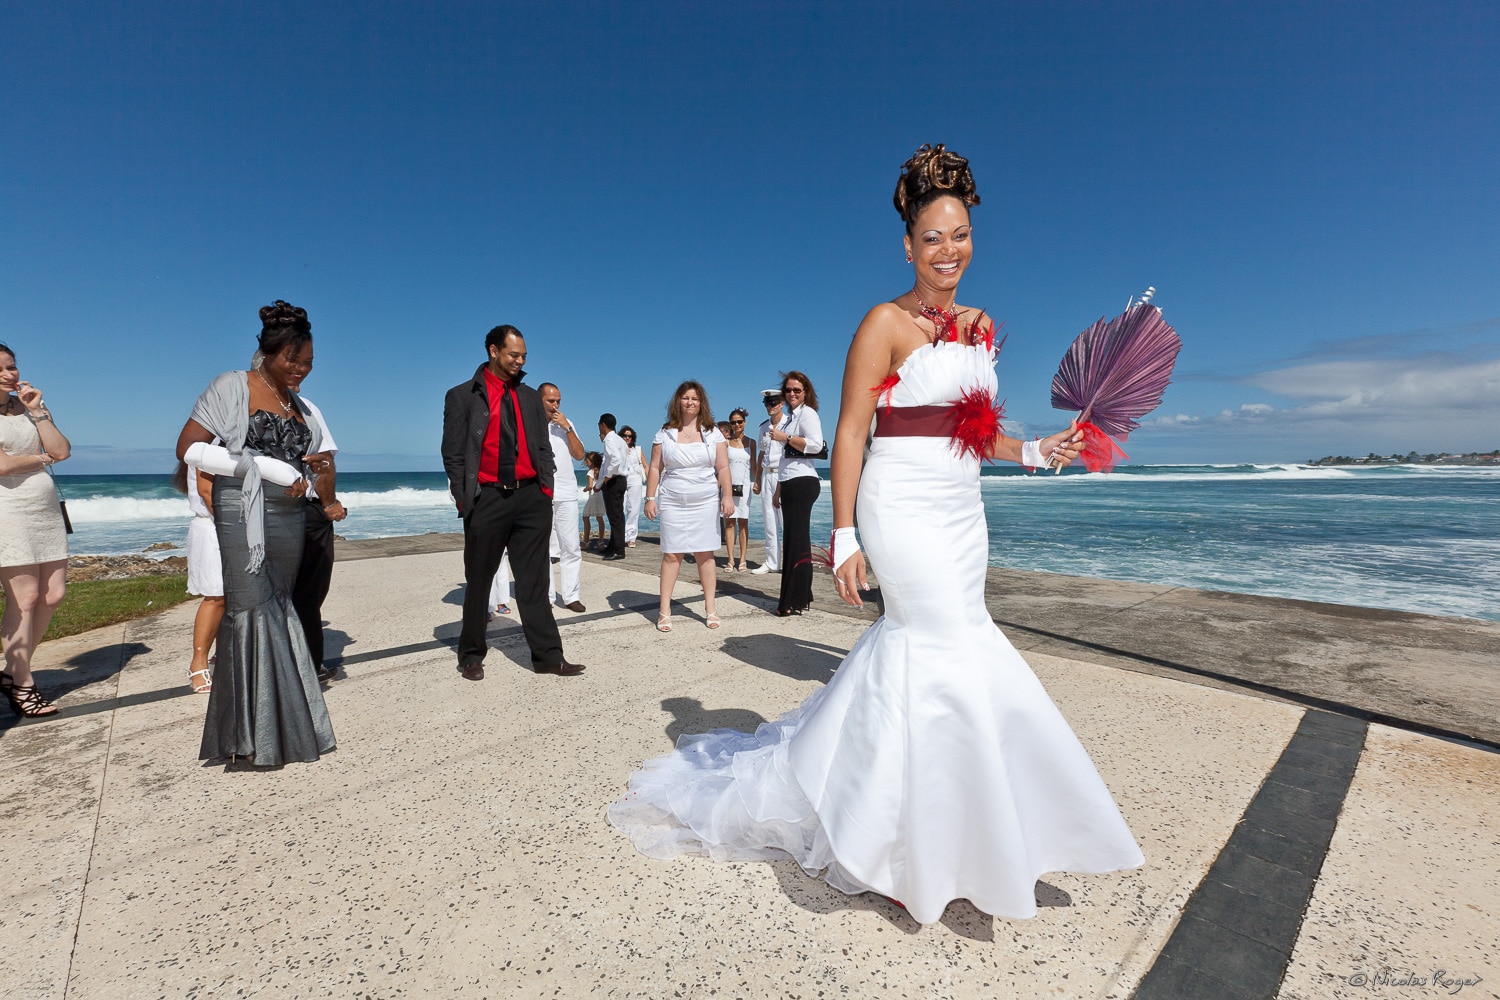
[{"x": 935, "y": 374}]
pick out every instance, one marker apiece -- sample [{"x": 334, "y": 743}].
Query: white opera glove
[
  {"x": 844, "y": 544},
  {"x": 1031, "y": 454},
  {"x": 215, "y": 460}
]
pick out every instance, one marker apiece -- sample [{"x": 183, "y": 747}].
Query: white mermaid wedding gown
[{"x": 932, "y": 766}]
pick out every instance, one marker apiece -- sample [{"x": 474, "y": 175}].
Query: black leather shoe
[
  {"x": 473, "y": 670},
  {"x": 609, "y": 556},
  {"x": 563, "y": 669},
  {"x": 576, "y": 607}
]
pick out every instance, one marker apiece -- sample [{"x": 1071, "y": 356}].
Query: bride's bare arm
[
  {"x": 1066, "y": 444},
  {"x": 866, "y": 366}
]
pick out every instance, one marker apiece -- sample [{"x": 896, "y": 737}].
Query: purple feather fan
[{"x": 1115, "y": 373}]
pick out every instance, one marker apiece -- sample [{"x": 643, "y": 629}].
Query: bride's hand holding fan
[{"x": 1064, "y": 446}]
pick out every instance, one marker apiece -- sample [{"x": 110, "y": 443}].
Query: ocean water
[{"x": 1412, "y": 538}]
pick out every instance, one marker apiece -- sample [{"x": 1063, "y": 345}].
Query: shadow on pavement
[
  {"x": 690, "y": 717},
  {"x": 799, "y": 659}
]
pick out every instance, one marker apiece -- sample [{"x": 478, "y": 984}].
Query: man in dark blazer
[{"x": 500, "y": 469}]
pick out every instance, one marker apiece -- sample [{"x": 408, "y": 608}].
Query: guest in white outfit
[
  {"x": 502, "y": 587},
  {"x": 565, "y": 441},
  {"x": 797, "y": 489},
  {"x": 767, "y": 462},
  {"x": 205, "y": 574},
  {"x": 593, "y": 505},
  {"x": 741, "y": 451},
  {"x": 689, "y": 475},
  {"x": 33, "y": 534},
  {"x": 635, "y": 486}
]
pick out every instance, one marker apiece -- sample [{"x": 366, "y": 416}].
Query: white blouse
[{"x": 803, "y": 423}]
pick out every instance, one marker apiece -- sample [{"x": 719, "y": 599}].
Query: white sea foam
[
  {"x": 401, "y": 496},
  {"x": 113, "y": 510},
  {"x": 1260, "y": 473}
]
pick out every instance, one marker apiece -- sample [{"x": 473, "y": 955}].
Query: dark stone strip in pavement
[{"x": 1236, "y": 934}]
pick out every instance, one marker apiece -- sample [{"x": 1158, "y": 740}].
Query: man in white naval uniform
[
  {"x": 768, "y": 460},
  {"x": 565, "y": 441}
]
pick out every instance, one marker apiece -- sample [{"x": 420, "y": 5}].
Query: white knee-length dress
[{"x": 687, "y": 497}]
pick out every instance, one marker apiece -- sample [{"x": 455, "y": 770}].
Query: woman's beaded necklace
[
  {"x": 944, "y": 321},
  {"x": 286, "y": 407}
]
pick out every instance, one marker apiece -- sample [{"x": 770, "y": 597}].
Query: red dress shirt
[{"x": 502, "y": 393}]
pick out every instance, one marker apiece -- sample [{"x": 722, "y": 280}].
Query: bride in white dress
[{"x": 933, "y": 766}]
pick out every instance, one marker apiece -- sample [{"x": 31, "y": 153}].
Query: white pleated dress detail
[{"x": 932, "y": 766}]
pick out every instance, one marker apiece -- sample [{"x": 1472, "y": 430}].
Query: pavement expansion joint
[{"x": 1235, "y": 936}]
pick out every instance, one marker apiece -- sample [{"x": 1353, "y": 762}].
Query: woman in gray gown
[{"x": 265, "y": 703}]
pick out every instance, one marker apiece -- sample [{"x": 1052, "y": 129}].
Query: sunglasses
[
  {"x": 736, "y": 422},
  {"x": 792, "y": 392}
]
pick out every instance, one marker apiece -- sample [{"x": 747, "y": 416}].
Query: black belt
[{"x": 508, "y": 487}]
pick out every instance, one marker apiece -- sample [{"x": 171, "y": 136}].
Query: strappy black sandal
[{"x": 27, "y": 701}]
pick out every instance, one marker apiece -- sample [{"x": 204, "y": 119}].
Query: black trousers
[
  {"x": 520, "y": 521},
  {"x": 797, "y": 497},
  {"x": 314, "y": 575},
  {"x": 614, "y": 509}
]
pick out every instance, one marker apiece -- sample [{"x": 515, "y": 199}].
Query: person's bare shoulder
[{"x": 881, "y": 323}]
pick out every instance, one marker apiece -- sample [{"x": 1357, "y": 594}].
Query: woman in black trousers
[{"x": 797, "y": 490}]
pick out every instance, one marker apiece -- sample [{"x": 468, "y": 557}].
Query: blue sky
[{"x": 654, "y": 192}]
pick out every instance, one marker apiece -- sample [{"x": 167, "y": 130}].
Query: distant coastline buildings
[{"x": 1412, "y": 458}]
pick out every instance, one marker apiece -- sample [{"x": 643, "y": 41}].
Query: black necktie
[{"x": 508, "y": 437}]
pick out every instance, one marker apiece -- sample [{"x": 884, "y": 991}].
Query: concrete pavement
[{"x": 455, "y": 843}]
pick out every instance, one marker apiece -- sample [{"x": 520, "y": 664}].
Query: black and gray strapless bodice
[{"x": 278, "y": 437}]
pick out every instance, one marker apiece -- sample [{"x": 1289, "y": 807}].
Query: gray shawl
[{"x": 224, "y": 410}]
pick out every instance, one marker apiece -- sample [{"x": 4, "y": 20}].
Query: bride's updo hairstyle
[
  {"x": 283, "y": 324},
  {"x": 931, "y": 173}
]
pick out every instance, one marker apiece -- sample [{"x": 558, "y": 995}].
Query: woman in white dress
[
  {"x": 205, "y": 572},
  {"x": 933, "y": 766},
  {"x": 741, "y": 451},
  {"x": 593, "y": 507},
  {"x": 635, "y": 486},
  {"x": 33, "y": 539},
  {"x": 687, "y": 491}
]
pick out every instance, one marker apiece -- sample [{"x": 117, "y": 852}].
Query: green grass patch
[{"x": 96, "y": 603}]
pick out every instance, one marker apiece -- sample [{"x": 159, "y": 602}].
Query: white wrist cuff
[
  {"x": 843, "y": 545},
  {"x": 1031, "y": 455}
]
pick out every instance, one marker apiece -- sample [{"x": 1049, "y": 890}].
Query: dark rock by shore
[{"x": 122, "y": 567}]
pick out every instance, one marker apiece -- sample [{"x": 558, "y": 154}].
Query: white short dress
[
  {"x": 205, "y": 568},
  {"x": 594, "y": 505},
  {"x": 739, "y": 475},
  {"x": 31, "y": 524},
  {"x": 687, "y": 497}
]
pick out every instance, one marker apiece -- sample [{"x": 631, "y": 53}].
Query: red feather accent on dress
[
  {"x": 1101, "y": 451},
  {"x": 882, "y": 390},
  {"x": 976, "y": 422},
  {"x": 985, "y": 335}
]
